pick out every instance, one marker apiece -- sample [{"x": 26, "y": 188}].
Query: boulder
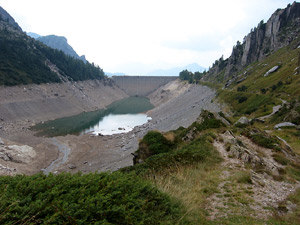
[
  {"x": 272, "y": 70},
  {"x": 1, "y": 142},
  {"x": 284, "y": 124},
  {"x": 71, "y": 166},
  {"x": 243, "y": 120}
]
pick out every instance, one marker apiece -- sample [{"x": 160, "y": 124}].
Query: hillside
[{"x": 25, "y": 60}]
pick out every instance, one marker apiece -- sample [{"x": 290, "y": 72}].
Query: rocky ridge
[{"x": 280, "y": 30}]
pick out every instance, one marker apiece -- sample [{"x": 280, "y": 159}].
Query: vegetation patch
[
  {"x": 84, "y": 199},
  {"x": 280, "y": 158},
  {"x": 262, "y": 139},
  {"x": 196, "y": 151}
]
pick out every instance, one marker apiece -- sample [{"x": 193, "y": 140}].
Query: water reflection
[{"x": 116, "y": 124}]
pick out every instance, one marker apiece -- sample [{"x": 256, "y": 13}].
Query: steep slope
[
  {"x": 25, "y": 60},
  {"x": 281, "y": 29}
]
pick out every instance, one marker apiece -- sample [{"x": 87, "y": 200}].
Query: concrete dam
[{"x": 141, "y": 85}]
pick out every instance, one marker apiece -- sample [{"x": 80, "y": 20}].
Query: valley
[
  {"x": 212, "y": 147},
  {"x": 88, "y": 152}
]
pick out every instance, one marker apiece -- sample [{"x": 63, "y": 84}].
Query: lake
[{"x": 124, "y": 114}]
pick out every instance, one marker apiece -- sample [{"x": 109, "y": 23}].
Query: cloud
[{"x": 208, "y": 42}]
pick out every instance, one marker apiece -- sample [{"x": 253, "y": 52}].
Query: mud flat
[{"x": 177, "y": 104}]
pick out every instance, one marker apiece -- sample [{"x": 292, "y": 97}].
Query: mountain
[
  {"x": 281, "y": 29},
  {"x": 175, "y": 71},
  {"x": 24, "y": 60},
  {"x": 5, "y": 17},
  {"x": 59, "y": 43},
  {"x": 33, "y": 35}
]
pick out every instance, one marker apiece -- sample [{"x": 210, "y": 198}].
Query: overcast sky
[{"x": 138, "y": 36}]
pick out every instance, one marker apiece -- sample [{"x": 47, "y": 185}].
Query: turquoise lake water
[{"x": 124, "y": 114}]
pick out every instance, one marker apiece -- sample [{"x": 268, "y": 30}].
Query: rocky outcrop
[{"x": 280, "y": 30}]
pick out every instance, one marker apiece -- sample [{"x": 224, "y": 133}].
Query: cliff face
[{"x": 281, "y": 29}]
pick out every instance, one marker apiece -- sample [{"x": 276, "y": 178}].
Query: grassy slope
[{"x": 259, "y": 104}]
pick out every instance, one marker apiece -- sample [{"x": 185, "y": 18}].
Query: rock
[
  {"x": 4, "y": 156},
  {"x": 284, "y": 124},
  {"x": 272, "y": 70},
  {"x": 190, "y": 135},
  {"x": 243, "y": 120},
  {"x": 71, "y": 166},
  {"x": 1, "y": 142}
]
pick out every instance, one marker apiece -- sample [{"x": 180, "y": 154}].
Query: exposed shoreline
[{"x": 179, "y": 105}]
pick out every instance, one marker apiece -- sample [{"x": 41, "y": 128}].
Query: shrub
[
  {"x": 263, "y": 90},
  {"x": 83, "y": 199},
  {"x": 199, "y": 150},
  {"x": 241, "y": 99},
  {"x": 242, "y": 88},
  {"x": 264, "y": 141},
  {"x": 156, "y": 142}
]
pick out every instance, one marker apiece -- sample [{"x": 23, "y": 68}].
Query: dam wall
[{"x": 141, "y": 85}]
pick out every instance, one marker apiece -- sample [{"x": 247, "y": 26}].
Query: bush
[
  {"x": 264, "y": 141},
  {"x": 83, "y": 199},
  {"x": 242, "y": 88},
  {"x": 199, "y": 150},
  {"x": 241, "y": 99},
  {"x": 263, "y": 90},
  {"x": 156, "y": 143}
]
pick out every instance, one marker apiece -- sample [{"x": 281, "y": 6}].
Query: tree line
[{"x": 190, "y": 76}]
